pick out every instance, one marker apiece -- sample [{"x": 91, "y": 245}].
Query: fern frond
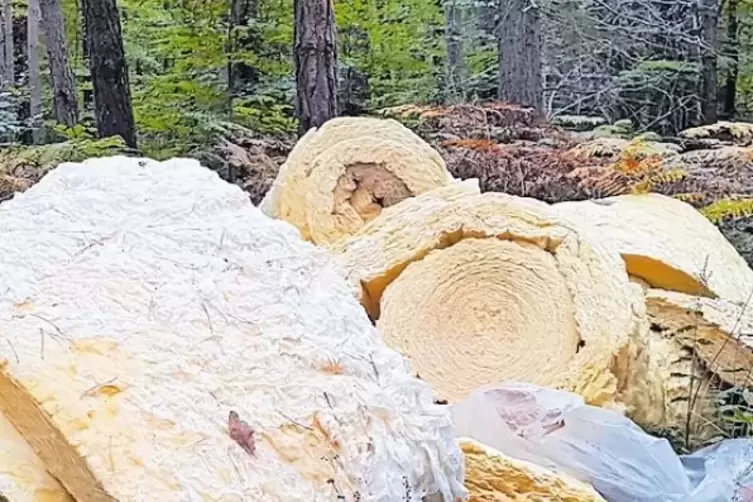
[
  {"x": 690, "y": 197},
  {"x": 671, "y": 176},
  {"x": 726, "y": 209}
]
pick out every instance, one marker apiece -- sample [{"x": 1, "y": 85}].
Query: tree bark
[
  {"x": 455, "y": 55},
  {"x": 730, "y": 85},
  {"x": 315, "y": 57},
  {"x": 709, "y": 18},
  {"x": 239, "y": 16},
  {"x": 520, "y": 43},
  {"x": 63, "y": 83},
  {"x": 35, "y": 84},
  {"x": 9, "y": 70},
  {"x": 109, "y": 70}
]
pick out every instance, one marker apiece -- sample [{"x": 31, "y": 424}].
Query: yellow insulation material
[
  {"x": 683, "y": 393},
  {"x": 342, "y": 175},
  {"x": 718, "y": 331},
  {"x": 23, "y": 477},
  {"x": 491, "y": 476},
  {"x": 666, "y": 243},
  {"x": 478, "y": 289}
]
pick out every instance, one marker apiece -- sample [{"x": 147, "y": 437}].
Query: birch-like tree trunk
[
  {"x": 9, "y": 73},
  {"x": 35, "y": 83},
  {"x": 520, "y": 43},
  {"x": 63, "y": 83},
  {"x": 315, "y": 57},
  {"x": 109, "y": 70}
]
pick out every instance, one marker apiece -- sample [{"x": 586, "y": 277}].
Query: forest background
[{"x": 193, "y": 64}]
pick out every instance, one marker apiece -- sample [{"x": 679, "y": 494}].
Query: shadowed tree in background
[
  {"x": 109, "y": 71},
  {"x": 520, "y": 43},
  {"x": 733, "y": 51},
  {"x": 63, "y": 83},
  {"x": 9, "y": 76},
  {"x": 315, "y": 58},
  {"x": 709, "y": 19},
  {"x": 456, "y": 68},
  {"x": 35, "y": 84}
]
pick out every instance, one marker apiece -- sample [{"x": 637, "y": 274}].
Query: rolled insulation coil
[
  {"x": 667, "y": 243},
  {"x": 344, "y": 175},
  {"x": 198, "y": 350},
  {"x": 683, "y": 392},
  {"x": 491, "y": 476},
  {"x": 720, "y": 332},
  {"x": 478, "y": 289},
  {"x": 23, "y": 477},
  {"x": 312, "y": 144}
]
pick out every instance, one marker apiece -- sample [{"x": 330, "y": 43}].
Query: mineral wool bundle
[
  {"x": 164, "y": 340},
  {"x": 720, "y": 332},
  {"x": 667, "y": 243},
  {"x": 342, "y": 175},
  {"x": 492, "y": 476},
  {"x": 23, "y": 477},
  {"x": 477, "y": 289},
  {"x": 684, "y": 393}
]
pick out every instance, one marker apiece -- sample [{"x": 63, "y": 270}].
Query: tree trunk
[
  {"x": 730, "y": 91},
  {"x": 455, "y": 55},
  {"x": 315, "y": 57},
  {"x": 35, "y": 84},
  {"x": 9, "y": 71},
  {"x": 709, "y": 19},
  {"x": 520, "y": 54},
  {"x": 63, "y": 83},
  {"x": 109, "y": 70}
]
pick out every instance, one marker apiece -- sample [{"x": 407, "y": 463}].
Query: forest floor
[{"x": 503, "y": 146}]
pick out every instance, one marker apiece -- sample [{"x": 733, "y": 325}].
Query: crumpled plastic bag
[{"x": 556, "y": 429}]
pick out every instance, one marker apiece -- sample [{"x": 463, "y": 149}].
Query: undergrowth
[{"x": 726, "y": 209}]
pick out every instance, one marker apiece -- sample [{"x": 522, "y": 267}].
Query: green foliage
[
  {"x": 75, "y": 133},
  {"x": 34, "y": 161},
  {"x": 728, "y": 209},
  {"x": 398, "y": 44}
]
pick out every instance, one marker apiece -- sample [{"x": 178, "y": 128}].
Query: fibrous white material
[{"x": 142, "y": 302}]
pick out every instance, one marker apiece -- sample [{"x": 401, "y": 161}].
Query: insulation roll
[
  {"x": 491, "y": 476},
  {"x": 197, "y": 350},
  {"x": 344, "y": 174},
  {"x": 720, "y": 332},
  {"x": 683, "y": 392},
  {"x": 667, "y": 243},
  {"x": 316, "y": 141},
  {"x": 478, "y": 289},
  {"x": 23, "y": 477}
]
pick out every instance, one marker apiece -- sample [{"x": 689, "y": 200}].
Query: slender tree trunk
[
  {"x": 730, "y": 91},
  {"x": 520, "y": 42},
  {"x": 9, "y": 70},
  {"x": 709, "y": 19},
  {"x": 239, "y": 15},
  {"x": 35, "y": 83},
  {"x": 109, "y": 70},
  {"x": 315, "y": 57},
  {"x": 455, "y": 55},
  {"x": 63, "y": 83}
]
